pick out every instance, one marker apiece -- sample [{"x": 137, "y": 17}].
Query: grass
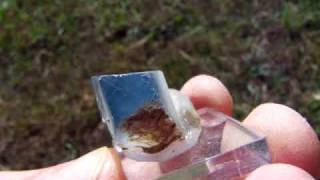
[{"x": 49, "y": 49}]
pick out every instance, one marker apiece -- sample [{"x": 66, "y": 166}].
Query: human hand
[
  {"x": 293, "y": 144},
  {"x": 291, "y": 141}
]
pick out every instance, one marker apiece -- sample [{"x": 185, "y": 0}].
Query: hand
[{"x": 291, "y": 141}]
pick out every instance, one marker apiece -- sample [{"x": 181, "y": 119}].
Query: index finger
[{"x": 208, "y": 91}]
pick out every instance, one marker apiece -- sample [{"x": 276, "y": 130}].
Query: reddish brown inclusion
[{"x": 152, "y": 124}]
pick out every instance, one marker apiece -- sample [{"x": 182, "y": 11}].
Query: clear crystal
[
  {"x": 225, "y": 150},
  {"x": 162, "y": 136},
  {"x": 147, "y": 121}
]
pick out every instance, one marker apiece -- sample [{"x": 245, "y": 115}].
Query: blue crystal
[
  {"x": 128, "y": 93},
  {"x": 147, "y": 121},
  {"x": 121, "y": 95}
]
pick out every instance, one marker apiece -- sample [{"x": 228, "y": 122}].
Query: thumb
[{"x": 102, "y": 163}]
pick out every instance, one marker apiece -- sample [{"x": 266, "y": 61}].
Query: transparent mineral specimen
[
  {"x": 225, "y": 151},
  {"x": 143, "y": 116},
  {"x": 149, "y": 122}
]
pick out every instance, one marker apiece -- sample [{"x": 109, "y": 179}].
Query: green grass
[{"x": 50, "y": 48}]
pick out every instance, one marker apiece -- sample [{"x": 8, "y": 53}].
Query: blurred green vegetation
[{"x": 263, "y": 51}]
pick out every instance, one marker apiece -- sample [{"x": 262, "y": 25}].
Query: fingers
[
  {"x": 102, "y": 163},
  {"x": 291, "y": 139},
  {"x": 207, "y": 91},
  {"x": 141, "y": 170},
  {"x": 279, "y": 171}
]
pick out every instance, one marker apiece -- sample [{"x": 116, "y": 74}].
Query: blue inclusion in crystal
[{"x": 125, "y": 94}]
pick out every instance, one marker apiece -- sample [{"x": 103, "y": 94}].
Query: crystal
[
  {"x": 226, "y": 150},
  {"x": 143, "y": 116},
  {"x": 156, "y": 129}
]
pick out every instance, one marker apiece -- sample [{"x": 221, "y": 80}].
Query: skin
[
  {"x": 279, "y": 171},
  {"x": 291, "y": 138},
  {"x": 294, "y": 145}
]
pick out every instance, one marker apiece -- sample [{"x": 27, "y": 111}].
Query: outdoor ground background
[{"x": 262, "y": 50}]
